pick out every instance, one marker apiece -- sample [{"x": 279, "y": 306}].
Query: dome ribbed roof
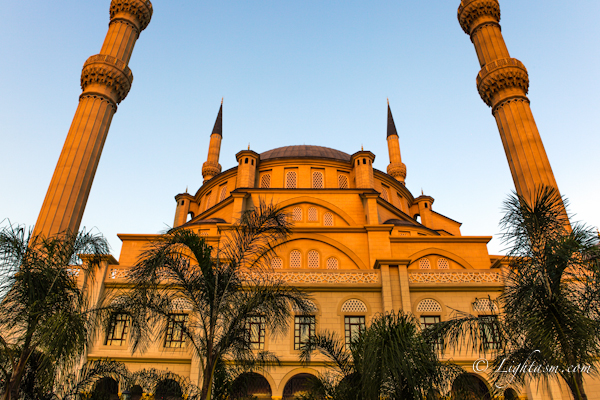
[{"x": 305, "y": 151}]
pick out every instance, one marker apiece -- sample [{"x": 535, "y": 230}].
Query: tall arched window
[
  {"x": 290, "y": 179},
  {"x": 223, "y": 192},
  {"x": 313, "y": 259},
  {"x": 317, "y": 180},
  {"x": 313, "y": 215},
  {"x": 295, "y": 259},
  {"x": 297, "y": 214},
  {"x": 265, "y": 181}
]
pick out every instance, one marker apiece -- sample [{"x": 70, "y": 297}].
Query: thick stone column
[
  {"x": 503, "y": 83},
  {"x": 105, "y": 81}
]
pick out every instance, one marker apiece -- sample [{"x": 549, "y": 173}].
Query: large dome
[{"x": 304, "y": 151}]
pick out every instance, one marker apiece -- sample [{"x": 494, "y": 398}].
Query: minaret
[
  {"x": 212, "y": 167},
  {"x": 105, "y": 81},
  {"x": 397, "y": 169},
  {"x": 503, "y": 83}
]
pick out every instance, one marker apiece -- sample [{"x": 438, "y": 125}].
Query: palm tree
[
  {"x": 549, "y": 308},
  {"x": 220, "y": 290},
  {"x": 389, "y": 359},
  {"x": 44, "y": 315}
]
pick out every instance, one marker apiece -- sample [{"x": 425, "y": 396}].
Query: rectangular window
[
  {"x": 429, "y": 320},
  {"x": 290, "y": 179},
  {"x": 352, "y": 328},
  {"x": 175, "y": 326},
  {"x": 304, "y": 330},
  {"x": 117, "y": 330},
  {"x": 488, "y": 324},
  {"x": 255, "y": 327}
]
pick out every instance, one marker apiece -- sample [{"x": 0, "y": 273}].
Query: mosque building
[{"x": 362, "y": 243}]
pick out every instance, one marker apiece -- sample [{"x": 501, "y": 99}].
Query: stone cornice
[
  {"x": 499, "y": 75},
  {"x": 140, "y": 9},
  {"x": 107, "y": 71},
  {"x": 472, "y": 12}
]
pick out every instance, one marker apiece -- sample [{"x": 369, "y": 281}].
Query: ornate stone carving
[
  {"x": 470, "y": 11},
  {"x": 141, "y": 9},
  {"x": 288, "y": 277},
  {"x": 397, "y": 170},
  {"x": 210, "y": 169},
  {"x": 108, "y": 71},
  {"x": 504, "y": 73},
  {"x": 455, "y": 277},
  {"x": 316, "y": 277}
]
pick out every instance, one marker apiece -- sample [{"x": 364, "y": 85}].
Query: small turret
[
  {"x": 247, "y": 163},
  {"x": 362, "y": 163}
]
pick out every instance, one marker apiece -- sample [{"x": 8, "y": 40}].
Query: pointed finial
[
  {"x": 388, "y": 99},
  {"x": 248, "y": 146},
  {"x": 218, "y": 128},
  {"x": 391, "y": 126},
  {"x": 186, "y": 189},
  {"x": 221, "y": 100},
  {"x": 421, "y": 191},
  {"x": 361, "y": 148}
]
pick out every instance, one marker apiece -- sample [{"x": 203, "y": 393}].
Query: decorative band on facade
[
  {"x": 109, "y": 71},
  {"x": 455, "y": 277},
  {"x": 140, "y": 9},
  {"x": 470, "y": 11},
  {"x": 498, "y": 75}
]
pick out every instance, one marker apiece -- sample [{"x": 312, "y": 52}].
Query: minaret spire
[
  {"x": 212, "y": 167},
  {"x": 503, "y": 83},
  {"x": 105, "y": 81},
  {"x": 397, "y": 169}
]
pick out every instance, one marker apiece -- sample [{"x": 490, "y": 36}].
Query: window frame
[
  {"x": 110, "y": 339},
  {"x": 300, "y": 321},
  {"x": 348, "y": 333},
  {"x": 256, "y": 320},
  {"x": 176, "y": 327}
]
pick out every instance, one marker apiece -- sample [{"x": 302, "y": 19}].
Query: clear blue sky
[{"x": 295, "y": 72}]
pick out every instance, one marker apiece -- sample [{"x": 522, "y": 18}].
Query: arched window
[
  {"x": 317, "y": 180},
  {"x": 354, "y": 306},
  {"x": 295, "y": 259},
  {"x": 313, "y": 259},
  {"x": 384, "y": 194},
  {"x": 276, "y": 263},
  {"x": 424, "y": 263},
  {"x": 332, "y": 263},
  {"x": 328, "y": 219},
  {"x": 208, "y": 198},
  {"x": 443, "y": 263},
  {"x": 223, "y": 192},
  {"x": 313, "y": 215},
  {"x": 265, "y": 181},
  {"x": 297, "y": 214},
  {"x": 290, "y": 179},
  {"x": 429, "y": 305},
  {"x": 342, "y": 181}
]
